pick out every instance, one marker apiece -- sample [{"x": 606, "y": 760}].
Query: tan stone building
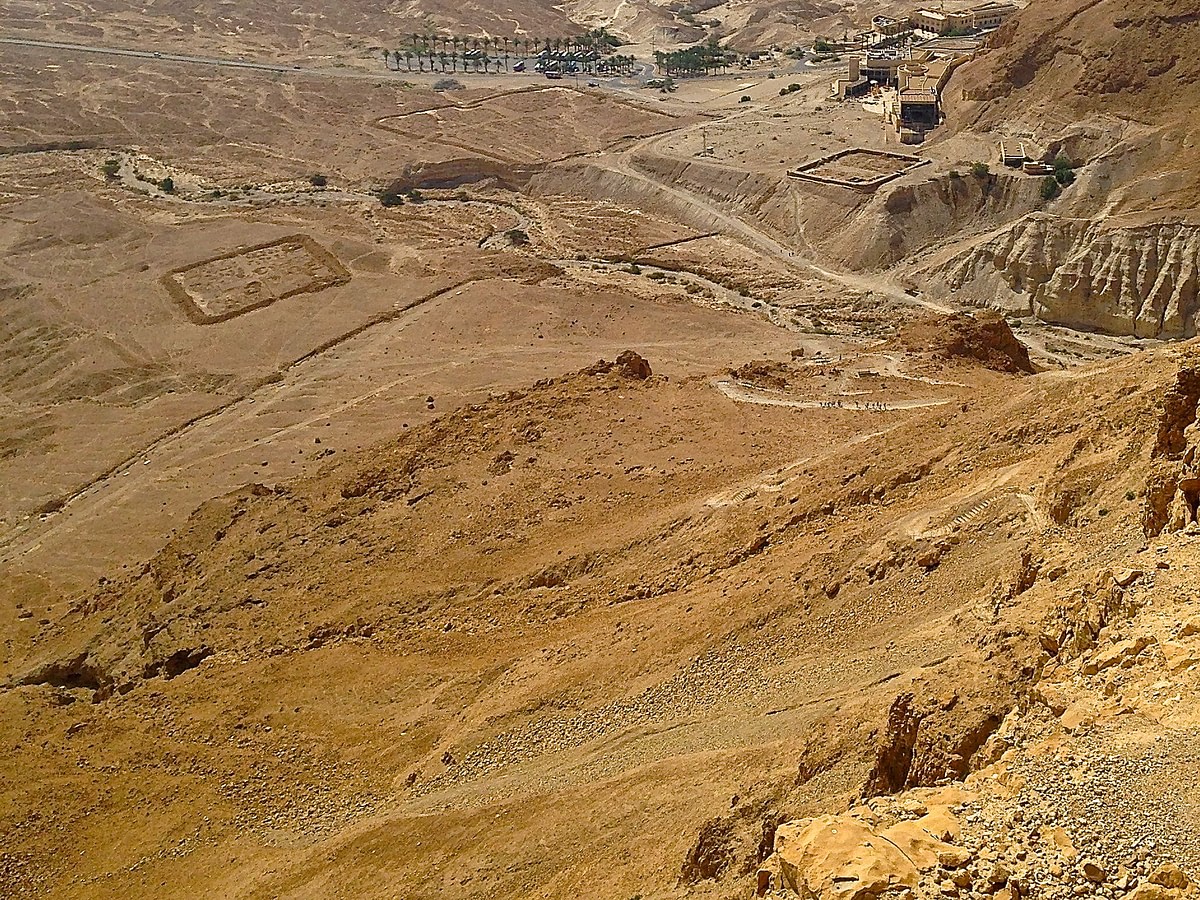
[{"x": 991, "y": 15}]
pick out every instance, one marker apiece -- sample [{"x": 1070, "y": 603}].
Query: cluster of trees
[
  {"x": 1064, "y": 174},
  {"x": 700, "y": 59},
  {"x": 591, "y": 51}
]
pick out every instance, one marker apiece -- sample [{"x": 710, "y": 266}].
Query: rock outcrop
[
  {"x": 1172, "y": 492},
  {"x": 984, "y": 337},
  {"x": 628, "y": 364},
  {"x": 863, "y": 854},
  {"x": 1142, "y": 281}
]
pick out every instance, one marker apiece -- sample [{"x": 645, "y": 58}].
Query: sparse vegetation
[
  {"x": 790, "y": 89},
  {"x": 1064, "y": 170},
  {"x": 745, "y": 98},
  {"x": 448, "y": 84},
  {"x": 980, "y": 169},
  {"x": 111, "y": 168},
  {"x": 167, "y": 185},
  {"x": 822, "y": 45},
  {"x": 318, "y": 180},
  {"x": 390, "y": 197},
  {"x": 517, "y": 237},
  {"x": 1050, "y": 188}
]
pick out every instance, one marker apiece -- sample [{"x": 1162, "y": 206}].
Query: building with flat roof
[
  {"x": 854, "y": 84},
  {"x": 991, "y": 14},
  {"x": 941, "y": 22},
  {"x": 889, "y": 27},
  {"x": 883, "y": 66}
]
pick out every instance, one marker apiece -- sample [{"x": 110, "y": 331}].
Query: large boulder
[{"x": 840, "y": 858}]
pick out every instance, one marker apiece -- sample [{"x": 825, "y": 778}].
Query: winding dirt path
[{"x": 745, "y": 393}]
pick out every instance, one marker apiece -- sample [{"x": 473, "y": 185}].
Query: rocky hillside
[
  {"x": 621, "y": 616},
  {"x": 1112, "y": 87},
  {"x": 1142, "y": 280}
]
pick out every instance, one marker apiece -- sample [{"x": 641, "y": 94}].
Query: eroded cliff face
[{"x": 1142, "y": 280}]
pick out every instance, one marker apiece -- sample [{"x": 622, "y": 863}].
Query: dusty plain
[{"x": 346, "y": 550}]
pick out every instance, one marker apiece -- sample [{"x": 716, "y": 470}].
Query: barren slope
[{"x": 568, "y": 625}]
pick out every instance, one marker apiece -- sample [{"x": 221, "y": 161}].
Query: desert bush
[
  {"x": 980, "y": 170},
  {"x": 318, "y": 180},
  {"x": 1064, "y": 170},
  {"x": 390, "y": 197},
  {"x": 1050, "y": 187}
]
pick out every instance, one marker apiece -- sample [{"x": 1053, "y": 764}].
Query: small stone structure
[
  {"x": 858, "y": 167},
  {"x": 248, "y": 278}
]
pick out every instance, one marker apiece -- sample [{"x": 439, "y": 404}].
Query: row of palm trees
[
  {"x": 590, "y": 51},
  {"x": 700, "y": 59}
]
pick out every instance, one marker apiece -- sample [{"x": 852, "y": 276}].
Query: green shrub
[
  {"x": 980, "y": 170},
  {"x": 1050, "y": 188},
  {"x": 167, "y": 185},
  {"x": 745, "y": 98},
  {"x": 390, "y": 197},
  {"x": 111, "y": 168},
  {"x": 318, "y": 180}
]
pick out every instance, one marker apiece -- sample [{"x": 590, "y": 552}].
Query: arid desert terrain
[{"x": 625, "y": 485}]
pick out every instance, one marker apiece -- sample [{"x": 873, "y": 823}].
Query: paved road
[{"x": 226, "y": 63}]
